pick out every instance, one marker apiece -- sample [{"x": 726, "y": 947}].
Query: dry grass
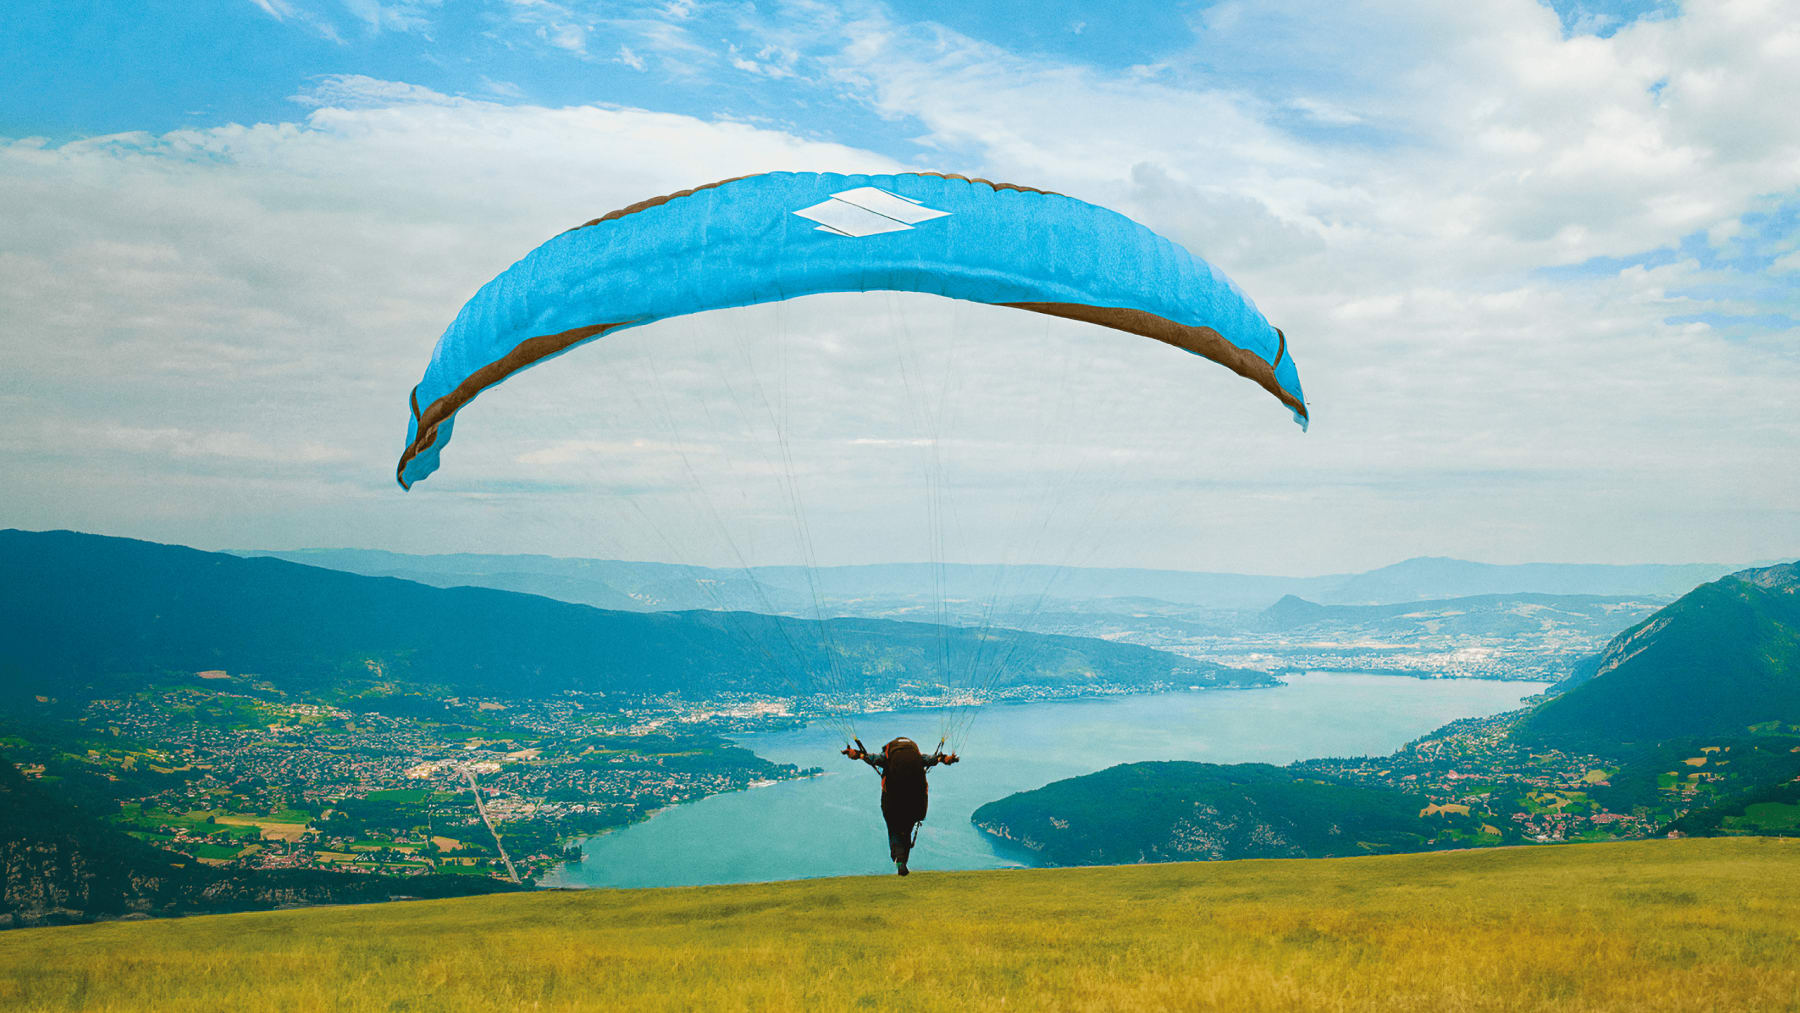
[{"x": 1664, "y": 925}]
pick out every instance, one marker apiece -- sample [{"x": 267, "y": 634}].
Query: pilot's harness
[{"x": 938, "y": 750}]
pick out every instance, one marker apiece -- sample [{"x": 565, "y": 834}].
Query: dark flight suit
[{"x": 904, "y": 796}]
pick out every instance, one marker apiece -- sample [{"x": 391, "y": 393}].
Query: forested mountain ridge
[
  {"x": 95, "y": 607},
  {"x": 1177, "y": 811},
  {"x": 1721, "y": 658}
]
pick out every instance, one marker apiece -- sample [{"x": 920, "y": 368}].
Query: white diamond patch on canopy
[{"x": 868, "y": 211}]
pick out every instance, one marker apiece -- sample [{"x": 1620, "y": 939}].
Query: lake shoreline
[
  {"x": 803, "y": 720},
  {"x": 826, "y": 823}
]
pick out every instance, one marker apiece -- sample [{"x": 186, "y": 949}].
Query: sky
[{"x": 1539, "y": 266}]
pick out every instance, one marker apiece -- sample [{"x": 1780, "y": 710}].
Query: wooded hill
[
  {"x": 1721, "y": 658},
  {"x": 97, "y": 608},
  {"x": 1179, "y": 811}
]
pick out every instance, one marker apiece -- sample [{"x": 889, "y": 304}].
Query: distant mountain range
[
  {"x": 1486, "y": 615},
  {"x": 896, "y": 589},
  {"x": 91, "y": 607},
  {"x": 1438, "y": 577}
]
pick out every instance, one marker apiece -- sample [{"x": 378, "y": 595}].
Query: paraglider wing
[{"x": 777, "y": 236}]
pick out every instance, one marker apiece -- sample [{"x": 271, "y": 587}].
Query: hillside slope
[
  {"x": 59, "y": 864},
  {"x": 1663, "y": 925},
  {"x": 97, "y": 606},
  {"x": 1180, "y": 811},
  {"x": 1721, "y": 658}
]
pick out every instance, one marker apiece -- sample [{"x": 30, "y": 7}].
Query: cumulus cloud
[
  {"x": 1403, "y": 256},
  {"x": 279, "y": 286},
  {"x": 1489, "y": 132}
]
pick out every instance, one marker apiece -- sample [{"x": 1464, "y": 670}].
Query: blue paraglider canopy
[{"x": 764, "y": 238}]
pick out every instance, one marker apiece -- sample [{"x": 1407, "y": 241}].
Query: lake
[{"x": 830, "y": 825}]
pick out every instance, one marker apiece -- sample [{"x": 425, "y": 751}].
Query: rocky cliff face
[
  {"x": 58, "y": 865},
  {"x": 55, "y": 883}
]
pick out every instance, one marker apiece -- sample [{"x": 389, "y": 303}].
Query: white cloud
[
  {"x": 561, "y": 26},
  {"x": 180, "y": 306},
  {"x": 771, "y": 61},
  {"x": 286, "y": 10},
  {"x": 674, "y": 45},
  {"x": 280, "y": 10},
  {"x": 356, "y": 91},
  {"x": 1402, "y": 260},
  {"x": 402, "y": 16},
  {"x": 1320, "y": 111},
  {"x": 502, "y": 89},
  {"x": 1496, "y": 140}
]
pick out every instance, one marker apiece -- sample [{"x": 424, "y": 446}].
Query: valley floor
[{"x": 1664, "y": 925}]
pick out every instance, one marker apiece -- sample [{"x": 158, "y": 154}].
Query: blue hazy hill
[
  {"x": 89, "y": 606},
  {"x": 892, "y": 588}
]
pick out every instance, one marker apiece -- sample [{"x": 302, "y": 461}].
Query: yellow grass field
[{"x": 1657, "y": 925}]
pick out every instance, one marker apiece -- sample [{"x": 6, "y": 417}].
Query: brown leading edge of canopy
[
  {"x": 645, "y": 205},
  {"x": 523, "y": 354},
  {"x": 1203, "y": 341}
]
